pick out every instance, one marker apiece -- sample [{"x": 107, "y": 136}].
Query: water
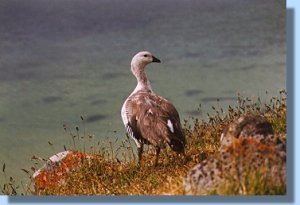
[{"x": 63, "y": 59}]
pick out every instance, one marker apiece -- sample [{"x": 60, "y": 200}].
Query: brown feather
[{"x": 148, "y": 115}]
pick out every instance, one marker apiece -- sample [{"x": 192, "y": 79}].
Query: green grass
[{"x": 105, "y": 174}]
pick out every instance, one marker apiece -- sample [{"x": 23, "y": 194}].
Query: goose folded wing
[{"x": 159, "y": 123}]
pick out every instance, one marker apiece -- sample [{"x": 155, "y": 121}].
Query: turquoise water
[{"x": 63, "y": 59}]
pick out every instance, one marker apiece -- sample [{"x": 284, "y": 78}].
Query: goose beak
[{"x": 155, "y": 60}]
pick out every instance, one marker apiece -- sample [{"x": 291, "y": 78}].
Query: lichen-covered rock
[
  {"x": 203, "y": 177},
  {"x": 248, "y": 147},
  {"x": 245, "y": 126},
  {"x": 55, "y": 169}
]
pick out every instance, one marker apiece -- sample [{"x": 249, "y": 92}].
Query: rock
[
  {"x": 250, "y": 125},
  {"x": 248, "y": 145},
  {"x": 54, "y": 171},
  {"x": 201, "y": 179}
]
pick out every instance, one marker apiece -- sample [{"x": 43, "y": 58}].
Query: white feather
[
  {"x": 170, "y": 125},
  {"x": 124, "y": 114}
]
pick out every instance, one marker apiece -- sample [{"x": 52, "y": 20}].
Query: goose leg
[
  {"x": 186, "y": 158},
  {"x": 157, "y": 154},
  {"x": 140, "y": 152}
]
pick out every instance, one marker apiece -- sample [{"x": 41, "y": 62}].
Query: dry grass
[{"x": 103, "y": 175}]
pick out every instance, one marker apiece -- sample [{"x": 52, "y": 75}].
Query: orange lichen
[{"x": 47, "y": 178}]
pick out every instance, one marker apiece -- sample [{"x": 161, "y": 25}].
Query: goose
[{"x": 149, "y": 118}]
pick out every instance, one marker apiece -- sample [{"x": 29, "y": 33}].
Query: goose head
[{"x": 141, "y": 59}]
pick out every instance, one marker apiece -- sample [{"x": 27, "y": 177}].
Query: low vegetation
[{"x": 106, "y": 174}]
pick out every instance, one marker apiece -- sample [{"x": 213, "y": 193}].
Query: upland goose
[{"x": 148, "y": 117}]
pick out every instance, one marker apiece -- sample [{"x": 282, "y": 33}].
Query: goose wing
[{"x": 155, "y": 120}]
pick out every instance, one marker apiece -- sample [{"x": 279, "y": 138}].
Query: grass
[{"x": 105, "y": 174}]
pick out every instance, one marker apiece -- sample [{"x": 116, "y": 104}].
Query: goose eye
[{"x": 145, "y": 55}]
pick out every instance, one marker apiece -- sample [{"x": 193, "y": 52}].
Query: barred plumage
[{"x": 149, "y": 118}]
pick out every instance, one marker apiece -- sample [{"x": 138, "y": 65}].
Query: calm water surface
[{"x": 63, "y": 59}]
